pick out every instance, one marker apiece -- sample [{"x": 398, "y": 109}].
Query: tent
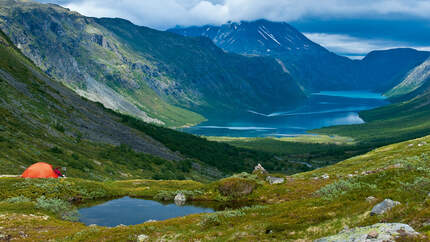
[{"x": 39, "y": 170}]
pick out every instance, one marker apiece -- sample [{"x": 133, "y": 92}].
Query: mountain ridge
[
  {"x": 169, "y": 78},
  {"x": 313, "y": 66}
]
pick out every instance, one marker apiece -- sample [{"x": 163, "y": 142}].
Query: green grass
[
  {"x": 303, "y": 208},
  {"x": 316, "y": 150}
]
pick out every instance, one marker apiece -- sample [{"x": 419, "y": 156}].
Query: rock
[
  {"x": 275, "y": 180},
  {"x": 142, "y": 237},
  {"x": 383, "y": 206},
  {"x": 150, "y": 221},
  {"x": 372, "y": 235},
  {"x": 259, "y": 169},
  {"x": 410, "y": 145},
  {"x": 92, "y": 225},
  {"x": 325, "y": 176},
  {"x": 236, "y": 187},
  {"x": 180, "y": 199},
  {"x": 370, "y": 199},
  {"x": 120, "y": 225},
  {"x": 376, "y": 233}
]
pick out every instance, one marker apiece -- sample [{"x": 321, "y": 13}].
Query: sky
[{"x": 347, "y": 27}]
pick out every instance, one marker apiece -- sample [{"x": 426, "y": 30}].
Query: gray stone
[
  {"x": 142, "y": 237},
  {"x": 370, "y": 199},
  {"x": 325, "y": 176},
  {"x": 375, "y": 233},
  {"x": 259, "y": 169},
  {"x": 180, "y": 199},
  {"x": 275, "y": 180},
  {"x": 383, "y": 206}
]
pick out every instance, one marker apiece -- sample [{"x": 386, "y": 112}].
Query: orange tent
[{"x": 39, "y": 170}]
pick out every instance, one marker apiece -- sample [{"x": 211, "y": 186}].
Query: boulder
[
  {"x": 259, "y": 169},
  {"x": 236, "y": 187},
  {"x": 384, "y": 206},
  {"x": 370, "y": 199},
  {"x": 180, "y": 199},
  {"x": 325, "y": 176},
  {"x": 376, "y": 233},
  {"x": 142, "y": 237},
  {"x": 275, "y": 180}
]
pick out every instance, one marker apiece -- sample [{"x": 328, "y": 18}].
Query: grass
[
  {"x": 305, "y": 207},
  {"x": 314, "y": 150}
]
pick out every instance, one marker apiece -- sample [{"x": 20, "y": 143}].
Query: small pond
[{"x": 131, "y": 211}]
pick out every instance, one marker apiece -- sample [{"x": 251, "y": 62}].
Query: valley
[{"x": 242, "y": 131}]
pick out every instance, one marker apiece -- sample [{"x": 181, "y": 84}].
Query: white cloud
[
  {"x": 356, "y": 48},
  {"x": 168, "y": 13}
]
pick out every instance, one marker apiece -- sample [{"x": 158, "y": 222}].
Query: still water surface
[
  {"x": 130, "y": 211},
  {"x": 322, "y": 109}
]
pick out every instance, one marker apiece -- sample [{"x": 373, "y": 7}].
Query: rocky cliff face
[{"x": 156, "y": 76}]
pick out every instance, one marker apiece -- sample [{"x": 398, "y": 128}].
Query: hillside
[
  {"x": 307, "y": 206},
  {"x": 393, "y": 123},
  {"x": 312, "y": 65},
  {"x": 42, "y": 120},
  {"x": 415, "y": 83},
  {"x": 156, "y": 76}
]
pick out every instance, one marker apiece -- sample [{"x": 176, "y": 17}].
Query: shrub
[
  {"x": 211, "y": 220},
  {"x": 57, "y": 206},
  {"x": 56, "y": 150},
  {"x": 341, "y": 187},
  {"x": 218, "y": 218},
  {"x": 59, "y": 127},
  {"x": 20, "y": 199}
]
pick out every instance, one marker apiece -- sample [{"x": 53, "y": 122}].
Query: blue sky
[{"x": 347, "y": 27}]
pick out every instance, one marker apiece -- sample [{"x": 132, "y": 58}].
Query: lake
[
  {"x": 322, "y": 109},
  {"x": 131, "y": 211}
]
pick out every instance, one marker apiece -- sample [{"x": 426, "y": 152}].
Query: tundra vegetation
[{"x": 306, "y": 206}]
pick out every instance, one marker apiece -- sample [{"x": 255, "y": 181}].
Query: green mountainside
[
  {"x": 157, "y": 76},
  {"x": 393, "y": 123},
  {"x": 42, "y": 120},
  {"x": 415, "y": 83}
]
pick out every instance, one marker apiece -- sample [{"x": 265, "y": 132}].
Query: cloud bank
[
  {"x": 169, "y": 13},
  {"x": 348, "y": 27}
]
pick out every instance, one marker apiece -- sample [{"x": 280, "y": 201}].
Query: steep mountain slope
[
  {"x": 42, "y": 120},
  {"x": 156, "y": 76},
  {"x": 387, "y": 68},
  {"x": 314, "y": 66},
  {"x": 415, "y": 83}
]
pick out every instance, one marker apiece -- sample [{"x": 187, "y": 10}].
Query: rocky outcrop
[
  {"x": 142, "y": 237},
  {"x": 383, "y": 206},
  {"x": 236, "y": 187},
  {"x": 376, "y": 233},
  {"x": 259, "y": 169},
  {"x": 275, "y": 180}
]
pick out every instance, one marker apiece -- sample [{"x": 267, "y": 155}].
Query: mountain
[
  {"x": 312, "y": 65},
  {"x": 416, "y": 83},
  {"x": 387, "y": 68},
  {"x": 157, "y": 76},
  {"x": 43, "y": 120}
]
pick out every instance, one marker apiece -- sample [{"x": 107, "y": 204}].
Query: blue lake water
[
  {"x": 322, "y": 109},
  {"x": 130, "y": 211}
]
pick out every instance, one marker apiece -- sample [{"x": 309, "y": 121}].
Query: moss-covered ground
[{"x": 305, "y": 207}]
